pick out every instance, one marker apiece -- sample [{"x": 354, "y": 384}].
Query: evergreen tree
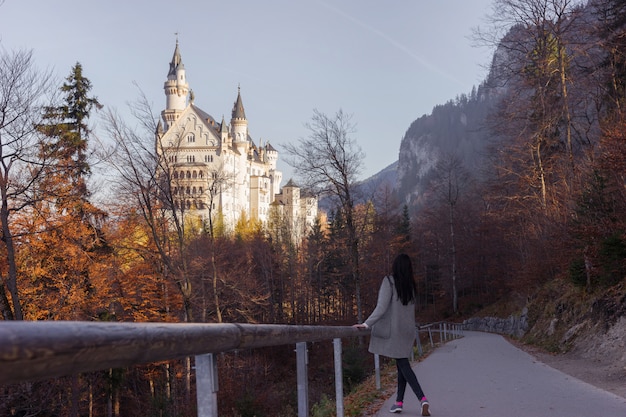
[
  {"x": 61, "y": 257},
  {"x": 68, "y": 132},
  {"x": 403, "y": 229}
]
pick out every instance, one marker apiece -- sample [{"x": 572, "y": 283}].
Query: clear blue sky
[{"x": 386, "y": 62}]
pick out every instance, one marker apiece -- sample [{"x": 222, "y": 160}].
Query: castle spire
[
  {"x": 238, "y": 111},
  {"x": 176, "y": 89},
  {"x": 177, "y": 61},
  {"x": 238, "y": 122}
]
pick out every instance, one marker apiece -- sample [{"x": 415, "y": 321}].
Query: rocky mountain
[{"x": 458, "y": 127}]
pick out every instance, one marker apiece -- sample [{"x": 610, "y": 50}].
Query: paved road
[{"x": 483, "y": 375}]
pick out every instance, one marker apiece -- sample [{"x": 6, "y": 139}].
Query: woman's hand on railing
[{"x": 360, "y": 326}]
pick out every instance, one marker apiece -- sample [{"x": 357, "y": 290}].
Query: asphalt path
[{"x": 483, "y": 375}]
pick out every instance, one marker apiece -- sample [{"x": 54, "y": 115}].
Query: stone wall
[{"x": 513, "y": 325}]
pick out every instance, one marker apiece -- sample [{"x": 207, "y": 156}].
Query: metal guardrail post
[
  {"x": 338, "y": 377},
  {"x": 430, "y": 336},
  {"x": 377, "y": 369},
  {"x": 206, "y": 385},
  {"x": 302, "y": 377},
  {"x": 419, "y": 342}
]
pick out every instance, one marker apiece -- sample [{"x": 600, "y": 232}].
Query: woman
[{"x": 393, "y": 327}]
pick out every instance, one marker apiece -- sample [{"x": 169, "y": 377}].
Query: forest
[{"x": 547, "y": 203}]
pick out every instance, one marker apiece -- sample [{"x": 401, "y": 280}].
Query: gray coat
[{"x": 401, "y": 334}]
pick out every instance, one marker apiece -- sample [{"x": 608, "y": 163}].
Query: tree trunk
[
  {"x": 455, "y": 301},
  {"x": 75, "y": 394},
  {"x": 566, "y": 111},
  {"x": 12, "y": 277},
  {"x": 216, "y": 297}
]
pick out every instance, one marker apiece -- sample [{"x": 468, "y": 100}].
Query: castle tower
[
  {"x": 238, "y": 122},
  {"x": 176, "y": 90},
  {"x": 224, "y": 135}
]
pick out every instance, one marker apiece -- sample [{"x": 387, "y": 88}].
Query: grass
[{"x": 365, "y": 399}]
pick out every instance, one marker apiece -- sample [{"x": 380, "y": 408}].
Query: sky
[{"x": 384, "y": 62}]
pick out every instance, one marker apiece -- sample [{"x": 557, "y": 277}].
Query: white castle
[{"x": 216, "y": 168}]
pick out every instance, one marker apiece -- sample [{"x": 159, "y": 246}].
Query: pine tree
[
  {"x": 68, "y": 132},
  {"x": 62, "y": 257}
]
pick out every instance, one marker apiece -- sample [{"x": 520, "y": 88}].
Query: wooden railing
[{"x": 47, "y": 349}]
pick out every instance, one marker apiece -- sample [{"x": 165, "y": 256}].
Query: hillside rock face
[
  {"x": 512, "y": 326},
  {"x": 457, "y": 128}
]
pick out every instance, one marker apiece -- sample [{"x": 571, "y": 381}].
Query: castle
[{"x": 217, "y": 170}]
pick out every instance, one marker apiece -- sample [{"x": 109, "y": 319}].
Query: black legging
[{"x": 406, "y": 374}]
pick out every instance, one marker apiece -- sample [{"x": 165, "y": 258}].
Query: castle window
[
  {"x": 193, "y": 190},
  {"x": 208, "y": 158},
  {"x": 187, "y": 190},
  {"x": 188, "y": 174},
  {"x": 191, "y": 158},
  {"x": 200, "y": 174},
  {"x": 200, "y": 190},
  {"x": 175, "y": 174},
  {"x": 195, "y": 174},
  {"x": 191, "y": 138}
]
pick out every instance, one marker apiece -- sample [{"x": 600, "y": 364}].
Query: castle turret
[
  {"x": 238, "y": 122},
  {"x": 224, "y": 134},
  {"x": 176, "y": 90}
]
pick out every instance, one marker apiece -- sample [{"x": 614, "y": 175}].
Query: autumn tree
[
  {"x": 535, "y": 48},
  {"x": 386, "y": 232},
  {"x": 24, "y": 92},
  {"x": 66, "y": 228},
  {"x": 329, "y": 161},
  {"x": 546, "y": 122}
]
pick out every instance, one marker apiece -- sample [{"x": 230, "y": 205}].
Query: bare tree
[
  {"x": 23, "y": 95},
  {"x": 329, "y": 161},
  {"x": 451, "y": 180},
  {"x": 145, "y": 177},
  {"x": 218, "y": 182},
  {"x": 535, "y": 45}
]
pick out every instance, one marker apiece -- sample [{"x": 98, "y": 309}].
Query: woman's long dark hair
[{"x": 403, "y": 277}]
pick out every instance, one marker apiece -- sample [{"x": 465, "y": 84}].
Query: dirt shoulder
[{"x": 599, "y": 373}]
